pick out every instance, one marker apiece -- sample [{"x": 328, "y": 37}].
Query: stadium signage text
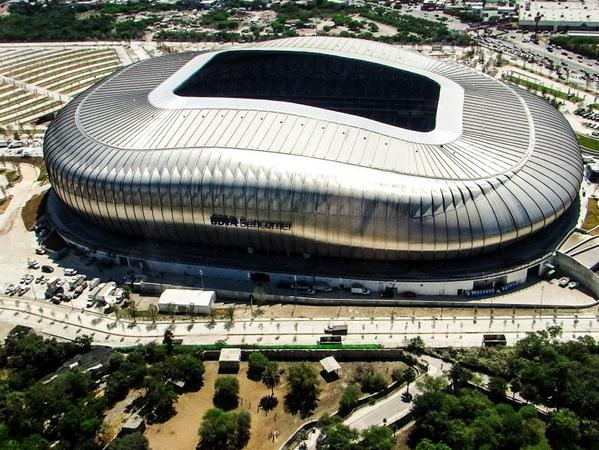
[{"x": 244, "y": 222}]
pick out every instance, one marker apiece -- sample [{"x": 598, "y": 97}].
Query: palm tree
[{"x": 271, "y": 377}]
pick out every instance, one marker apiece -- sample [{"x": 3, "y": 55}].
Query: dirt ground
[
  {"x": 30, "y": 210},
  {"x": 4, "y": 204},
  {"x": 181, "y": 431}
]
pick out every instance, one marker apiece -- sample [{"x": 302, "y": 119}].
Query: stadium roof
[{"x": 499, "y": 164}]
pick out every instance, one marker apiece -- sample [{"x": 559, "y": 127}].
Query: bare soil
[
  {"x": 30, "y": 211},
  {"x": 181, "y": 431}
]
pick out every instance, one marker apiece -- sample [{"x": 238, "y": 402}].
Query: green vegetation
[
  {"x": 218, "y": 346},
  {"x": 219, "y": 19},
  {"x": 133, "y": 441},
  {"x": 349, "y": 399},
  {"x": 544, "y": 370},
  {"x": 543, "y": 89},
  {"x": 27, "y": 23},
  {"x": 226, "y": 393},
  {"x": 257, "y": 362},
  {"x": 271, "y": 377},
  {"x": 588, "y": 142},
  {"x": 583, "y": 45},
  {"x": 224, "y": 430},
  {"x": 34, "y": 414},
  {"x": 337, "y": 436},
  {"x": 302, "y": 395},
  {"x": 373, "y": 381},
  {"x": 592, "y": 218},
  {"x": 467, "y": 420},
  {"x": 414, "y": 30}
]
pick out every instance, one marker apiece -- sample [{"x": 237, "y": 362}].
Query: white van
[{"x": 360, "y": 291}]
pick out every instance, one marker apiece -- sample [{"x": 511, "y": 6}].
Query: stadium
[{"x": 326, "y": 147}]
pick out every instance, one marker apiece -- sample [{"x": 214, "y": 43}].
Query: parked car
[
  {"x": 70, "y": 272},
  {"x": 23, "y": 290},
  {"x": 573, "y": 284},
  {"x": 563, "y": 281},
  {"x": 9, "y": 289},
  {"x": 40, "y": 251},
  {"x": 47, "y": 269}
]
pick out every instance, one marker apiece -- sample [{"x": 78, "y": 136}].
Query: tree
[
  {"x": 563, "y": 430},
  {"x": 373, "y": 381},
  {"x": 226, "y": 392},
  {"x": 186, "y": 368},
  {"x": 224, "y": 430},
  {"x": 427, "y": 444},
  {"x": 160, "y": 397},
  {"x": 408, "y": 376},
  {"x": 271, "y": 377},
  {"x": 338, "y": 436},
  {"x": 302, "y": 392},
  {"x": 257, "y": 362},
  {"x": 497, "y": 388},
  {"x": 459, "y": 376},
  {"x": 133, "y": 441},
  {"x": 377, "y": 438},
  {"x": 168, "y": 340},
  {"x": 430, "y": 384},
  {"x": 416, "y": 345},
  {"x": 349, "y": 399}
]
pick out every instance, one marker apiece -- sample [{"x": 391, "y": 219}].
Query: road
[{"x": 66, "y": 322}]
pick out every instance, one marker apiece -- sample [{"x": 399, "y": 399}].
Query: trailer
[{"x": 336, "y": 329}]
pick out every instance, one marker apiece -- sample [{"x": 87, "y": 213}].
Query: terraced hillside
[{"x": 36, "y": 82}]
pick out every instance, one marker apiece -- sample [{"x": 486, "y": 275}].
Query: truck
[
  {"x": 93, "y": 283},
  {"x": 53, "y": 291},
  {"x": 329, "y": 340},
  {"x": 359, "y": 290},
  {"x": 322, "y": 287},
  {"x": 105, "y": 293},
  {"x": 52, "y": 282},
  {"x": 77, "y": 281},
  {"x": 93, "y": 293},
  {"x": 336, "y": 329}
]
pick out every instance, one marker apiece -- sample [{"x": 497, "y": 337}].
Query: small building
[
  {"x": 134, "y": 424},
  {"x": 186, "y": 301},
  {"x": 330, "y": 365},
  {"x": 229, "y": 359}
]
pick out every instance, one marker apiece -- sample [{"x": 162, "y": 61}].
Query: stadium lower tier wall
[{"x": 211, "y": 275}]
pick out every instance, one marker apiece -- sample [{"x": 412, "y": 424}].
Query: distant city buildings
[{"x": 558, "y": 16}]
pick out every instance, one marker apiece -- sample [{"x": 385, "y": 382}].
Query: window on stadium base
[{"x": 374, "y": 91}]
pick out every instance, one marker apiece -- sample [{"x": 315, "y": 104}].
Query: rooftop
[{"x": 230, "y": 354}]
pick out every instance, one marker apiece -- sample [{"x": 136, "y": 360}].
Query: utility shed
[
  {"x": 330, "y": 365},
  {"x": 186, "y": 301},
  {"x": 229, "y": 359}
]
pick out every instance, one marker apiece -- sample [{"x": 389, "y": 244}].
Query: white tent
[{"x": 188, "y": 301}]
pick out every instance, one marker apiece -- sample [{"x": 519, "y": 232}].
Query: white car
[
  {"x": 9, "y": 289},
  {"x": 70, "y": 272},
  {"x": 59, "y": 282},
  {"x": 573, "y": 284},
  {"x": 563, "y": 281}
]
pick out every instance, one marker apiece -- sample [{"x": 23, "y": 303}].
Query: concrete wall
[{"x": 576, "y": 270}]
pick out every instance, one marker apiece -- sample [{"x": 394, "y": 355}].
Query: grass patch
[
  {"x": 592, "y": 218},
  {"x": 30, "y": 211},
  {"x": 43, "y": 176},
  {"x": 194, "y": 348},
  {"x": 588, "y": 142},
  {"x": 543, "y": 89}
]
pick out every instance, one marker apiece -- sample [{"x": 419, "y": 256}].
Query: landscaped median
[
  {"x": 588, "y": 143},
  {"x": 529, "y": 84}
]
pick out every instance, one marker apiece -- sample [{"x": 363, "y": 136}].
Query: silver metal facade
[{"x": 133, "y": 168}]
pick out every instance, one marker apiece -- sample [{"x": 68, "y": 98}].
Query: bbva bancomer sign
[{"x": 243, "y": 222}]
